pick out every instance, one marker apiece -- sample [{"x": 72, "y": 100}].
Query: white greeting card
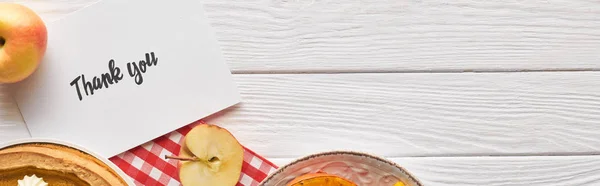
[{"x": 119, "y": 73}]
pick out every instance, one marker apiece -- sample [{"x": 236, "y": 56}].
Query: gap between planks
[{"x": 413, "y": 71}]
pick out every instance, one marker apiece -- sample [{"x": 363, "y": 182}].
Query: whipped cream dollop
[{"x": 32, "y": 180}]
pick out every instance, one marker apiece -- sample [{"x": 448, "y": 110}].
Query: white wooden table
[{"x": 460, "y": 93}]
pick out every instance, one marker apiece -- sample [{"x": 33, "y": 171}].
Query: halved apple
[
  {"x": 214, "y": 157},
  {"x": 320, "y": 179}
]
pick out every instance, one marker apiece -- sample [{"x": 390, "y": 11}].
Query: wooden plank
[
  {"x": 12, "y": 125},
  {"x": 500, "y": 171},
  {"x": 383, "y": 35},
  {"x": 415, "y": 114},
  {"x": 397, "y": 36},
  {"x": 441, "y": 114}
]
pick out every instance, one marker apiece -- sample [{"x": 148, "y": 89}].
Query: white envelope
[{"x": 183, "y": 75}]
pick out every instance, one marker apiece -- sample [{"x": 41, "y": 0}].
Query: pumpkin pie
[{"x": 57, "y": 165}]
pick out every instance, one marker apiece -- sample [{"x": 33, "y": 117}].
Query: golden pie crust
[{"x": 58, "y": 165}]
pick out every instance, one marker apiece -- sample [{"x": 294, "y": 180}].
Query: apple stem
[{"x": 181, "y": 158}]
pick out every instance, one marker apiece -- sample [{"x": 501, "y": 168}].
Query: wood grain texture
[
  {"x": 273, "y": 36},
  {"x": 416, "y": 114},
  {"x": 12, "y": 125},
  {"x": 500, "y": 171},
  {"x": 395, "y": 115},
  {"x": 399, "y": 35}
]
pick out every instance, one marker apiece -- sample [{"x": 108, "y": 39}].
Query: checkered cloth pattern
[{"x": 146, "y": 165}]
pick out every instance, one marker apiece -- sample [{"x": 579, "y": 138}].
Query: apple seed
[{"x": 213, "y": 159}]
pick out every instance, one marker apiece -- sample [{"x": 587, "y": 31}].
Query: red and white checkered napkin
[{"x": 147, "y": 166}]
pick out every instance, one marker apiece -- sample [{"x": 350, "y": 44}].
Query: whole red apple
[{"x": 23, "y": 38}]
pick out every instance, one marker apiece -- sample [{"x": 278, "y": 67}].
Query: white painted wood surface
[
  {"x": 401, "y": 35},
  {"x": 441, "y": 126},
  {"x": 266, "y": 36},
  {"x": 12, "y": 125},
  {"x": 419, "y": 114}
]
